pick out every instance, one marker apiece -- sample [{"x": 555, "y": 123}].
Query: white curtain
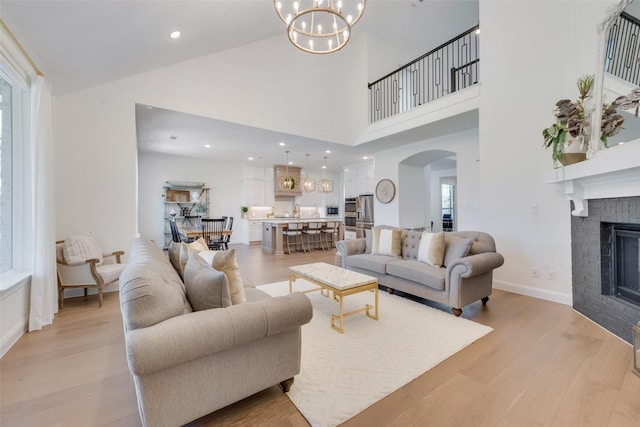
[{"x": 44, "y": 303}]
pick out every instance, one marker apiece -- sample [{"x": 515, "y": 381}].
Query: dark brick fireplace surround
[{"x": 614, "y": 314}]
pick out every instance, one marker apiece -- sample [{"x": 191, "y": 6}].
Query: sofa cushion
[
  {"x": 206, "y": 287},
  {"x": 419, "y": 272},
  {"x": 410, "y": 243},
  {"x": 225, "y": 261},
  {"x": 456, "y": 248},
  {"x": 431, "y": 248},
  {"x": 199, "y": 245},
  {"x": 150, "y": 289},
  {"x": 387, "y": 242},
  {"x": 174, "y": 257},
  {"x": 376, "y": 263}
]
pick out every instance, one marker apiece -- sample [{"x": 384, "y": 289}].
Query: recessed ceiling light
[
  {"x": 365, "y": 158},
  {"x": 282, "y": 144},
  {"x": 328, "y": 151},
  {"x": 250, "y": 158},
  {"x": 207, "y": 145},
  {"x": 290, "y": 162},
  {"x": 174, "y": 34}
]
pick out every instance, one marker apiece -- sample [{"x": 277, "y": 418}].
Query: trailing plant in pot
[{"x": 570, "y": 125}]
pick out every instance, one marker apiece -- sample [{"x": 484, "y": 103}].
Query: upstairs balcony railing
[
  {"x": 451, "y": 66},
  {"x": 623, "y": 49}
]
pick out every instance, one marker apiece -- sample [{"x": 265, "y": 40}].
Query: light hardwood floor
[{"x": 543, "y": 364}]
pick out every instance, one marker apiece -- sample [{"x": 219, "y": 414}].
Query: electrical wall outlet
[
  {"x": 551, "y": 275},
  {"x": 535, "y": 272}
]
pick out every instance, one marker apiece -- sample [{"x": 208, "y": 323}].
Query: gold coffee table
[{"x": 340, "y": 282}]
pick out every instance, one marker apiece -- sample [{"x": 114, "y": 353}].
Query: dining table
[{"x": 195, "y": 232}]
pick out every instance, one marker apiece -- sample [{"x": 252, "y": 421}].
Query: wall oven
[{"x": 350, "y": 213}]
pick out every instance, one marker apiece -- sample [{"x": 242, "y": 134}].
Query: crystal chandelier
[
  {"x": 319, "y": 26},
  {"x": 308, "y": 184}
]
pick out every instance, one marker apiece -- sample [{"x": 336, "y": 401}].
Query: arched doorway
[{"x": 428, "y": 180}]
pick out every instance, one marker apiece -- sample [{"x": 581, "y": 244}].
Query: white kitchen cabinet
[
  {"x": 255, "y": 231},
  {"x": 259, "y": 186},
  {"x": 358, "y": 179},
  {"x": 251, "y": 231}
]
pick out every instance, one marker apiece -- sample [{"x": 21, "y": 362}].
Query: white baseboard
[
  {"x": 531, "y": 291},
  {"x": 13, "y": 336}
]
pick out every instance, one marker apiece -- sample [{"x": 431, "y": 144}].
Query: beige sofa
[
  {"x": 463, "y": 279},
  {"x": 187, "y": 364}
]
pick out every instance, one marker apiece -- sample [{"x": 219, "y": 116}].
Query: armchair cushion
[
  {"x": 110, "y": 272},
  {"x": 206, "y": 287},
  {"x": 78, "y": 249}
]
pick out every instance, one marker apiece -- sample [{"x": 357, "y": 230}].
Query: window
[
  {"x": 15, "y": 169},
  {"x": 448, "y": 198},
  {"x": 6, "y": 175}
]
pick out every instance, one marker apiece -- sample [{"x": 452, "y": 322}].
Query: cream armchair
[{"x": 81, "y": 265}]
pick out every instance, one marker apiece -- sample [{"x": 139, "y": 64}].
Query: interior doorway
[{"x": 448, "y": 197}]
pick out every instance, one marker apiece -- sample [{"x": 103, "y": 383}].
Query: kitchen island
[{"x": 273, "y": 239}]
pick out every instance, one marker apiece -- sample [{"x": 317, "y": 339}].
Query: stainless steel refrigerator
[{"x": 364, "y": 210}]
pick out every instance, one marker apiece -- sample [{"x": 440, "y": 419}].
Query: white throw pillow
[
  {"x": 387, "y": 241},
  {"x": 225, "y": 261},
  {"x": 78, "y": 249},
  {"x": 431, "y": 249}
]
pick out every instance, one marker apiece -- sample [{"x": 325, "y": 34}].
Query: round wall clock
[{"x": 385, "y": 190}]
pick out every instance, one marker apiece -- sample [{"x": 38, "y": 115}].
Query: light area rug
[{"x": 342, "y": 374}]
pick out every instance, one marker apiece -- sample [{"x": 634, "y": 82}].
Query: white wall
[
  {"x": 14, "y": 314},
  {"x": 224, "y": 179},
  {"x": 415, "y": 204},
  {"x": 463, "y": 144},
  {"x": 96, "y": 158},
  {"x": 522, "y": 77}
]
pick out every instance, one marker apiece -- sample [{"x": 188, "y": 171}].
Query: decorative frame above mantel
[{"x": 595, "y": 145}]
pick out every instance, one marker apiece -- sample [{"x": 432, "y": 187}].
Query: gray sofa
[
  {"x": 187, "y": 364},
  {"x": 463, "y": 279}
]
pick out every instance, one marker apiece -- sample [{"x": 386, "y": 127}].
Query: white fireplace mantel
[{"x": 614, "y": 172}]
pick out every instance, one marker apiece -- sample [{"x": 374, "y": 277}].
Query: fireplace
[{"x": 605, "y": 262}]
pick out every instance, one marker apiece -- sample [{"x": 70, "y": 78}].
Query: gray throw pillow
[
  {"x": 455, "y": 248},
  {"x": 206, "y": 287},
  {"x": 368, "y": 235}
]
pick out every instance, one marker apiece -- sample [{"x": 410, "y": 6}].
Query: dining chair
[
  {"x": 80, "y": 264},
  {"x": 212, "y": 232},
  {"x": 293, "y": 231},
  {"x": 228, "y": 227},
  {"x": 176, "y": 235}
]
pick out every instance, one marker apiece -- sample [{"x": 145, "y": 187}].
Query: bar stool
[
  {"x": 293, "y": 231},
  {"x": 314, "y": 235},
  {"x": 330, "y": 231}
]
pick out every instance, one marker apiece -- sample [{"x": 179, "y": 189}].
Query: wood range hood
[{"x": 282, "y": 171}]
